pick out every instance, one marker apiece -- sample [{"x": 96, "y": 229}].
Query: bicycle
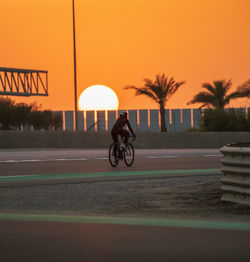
[{"x": 124, "y": 152}]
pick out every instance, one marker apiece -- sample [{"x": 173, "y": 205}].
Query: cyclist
[{"x": 119, "y": 130}]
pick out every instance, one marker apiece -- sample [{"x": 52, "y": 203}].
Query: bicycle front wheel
[
  {"x": 129, "y": 155},
  {"x": 113, "y": 158}
]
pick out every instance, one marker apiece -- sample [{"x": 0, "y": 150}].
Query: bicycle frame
[{"x": 124, "y": 152}]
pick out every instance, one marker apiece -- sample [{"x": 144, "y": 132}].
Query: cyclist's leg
[
  {"x": 125, "y": 134},
  {"x": 114, "y": 135}
]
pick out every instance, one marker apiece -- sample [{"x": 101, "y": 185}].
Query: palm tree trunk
[{"x": 163, "y": 124}]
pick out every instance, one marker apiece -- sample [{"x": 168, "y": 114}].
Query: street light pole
[{"x": 75, "y": 79}]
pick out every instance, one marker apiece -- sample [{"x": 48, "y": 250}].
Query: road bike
[{"x": 125, "y": 151}]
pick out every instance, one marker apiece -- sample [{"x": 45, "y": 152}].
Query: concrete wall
[{"x": 71, "y": 139}]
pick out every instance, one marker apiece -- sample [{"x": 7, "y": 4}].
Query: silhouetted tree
[
  {"x": 160, "y": 91},
  {"x": 41, "y": 119},
  {"x": 7, "y": 108},
  {"x": 216, "y": 95},
  {"x": 21, "y": 115},
  {"x": 57, "y": 120},
  {"x": 35, "y": 119},
  {"x": 47, "y": 119},
  {"x": 244, "y": 90}
]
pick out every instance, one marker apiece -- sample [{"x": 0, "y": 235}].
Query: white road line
[
  {"x": 169, "y": 156},
  {"x": 162, "y": 156},
  {"x": 99, "y": 158},
  {"x": 66, "y": 159},
  {"x": 3, "y": 177},
  {"x": 9, "y": 161},
  {"x": 43, "y": 160},
  {"x": 90, "y": 158},
  {"x": 30, "y": 160},
  {"x": 213, "y": 155}
]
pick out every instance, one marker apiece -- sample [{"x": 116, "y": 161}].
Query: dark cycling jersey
[{"x": 120, "y": 123}]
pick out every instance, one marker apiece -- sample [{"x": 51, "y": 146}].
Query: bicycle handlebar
[{"x": 134, "y": 137}]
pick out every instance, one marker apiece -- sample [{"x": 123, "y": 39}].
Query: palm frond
[
  {"x": 143, "y": 91},
  {"x": 244, "y": 90},
  {"x": 227, "y": 85},
  {"x": 204, "y": 98},
  {"x": 209, "y": 87},
  {"x": 233, "y": 95},
  {"x": 160, "y": 90}
]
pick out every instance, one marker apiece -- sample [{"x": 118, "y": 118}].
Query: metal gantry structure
[{"x": 23, "y": 82}]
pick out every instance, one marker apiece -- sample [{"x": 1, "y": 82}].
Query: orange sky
[{"x": 121, "y": 42}]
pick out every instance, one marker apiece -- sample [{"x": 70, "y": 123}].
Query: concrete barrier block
[
  {"x": 154, "y": 120},
  {"x": 69, "y": 120},
  {"x": 132, "y": 116},
  {"x": 186, "y": 119},
  {"x": 111, "y": 119},
  {"x": 80, "y": 120},
  {"x": 101, "y": 121},
  {"x": 176, "y": 120},
  {"x": 90, "y": 120},
  {"x": 167, "y": 120},
  {"x": 197, "y": 115},
  {"x": 143, "y": 120}
]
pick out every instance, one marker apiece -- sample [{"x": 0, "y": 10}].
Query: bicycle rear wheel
[
  {"x": 129, "y": 155},
  {"x": 113, "y": 158}
]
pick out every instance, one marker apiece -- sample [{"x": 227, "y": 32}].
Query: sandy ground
[{"x": 196, "y": 197}]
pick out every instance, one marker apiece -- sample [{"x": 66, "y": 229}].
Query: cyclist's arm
[{"x": 130, "y": 128}]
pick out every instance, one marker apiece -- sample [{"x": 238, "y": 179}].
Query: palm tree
[
  {"x": 244, "y": 89},
  {"x": 160, "y": 91},
  {"x": 215, "y": 95}
]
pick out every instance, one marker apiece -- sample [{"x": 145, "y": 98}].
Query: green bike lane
[
  {"x": 137, "y": 221},
  {"x": 114, "y": 174}
]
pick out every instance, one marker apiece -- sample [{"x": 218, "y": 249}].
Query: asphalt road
[
  {"x": 40, "y": 239},
  {"x": 30, "y": 162},
  {"x": 75, "y": 164}
]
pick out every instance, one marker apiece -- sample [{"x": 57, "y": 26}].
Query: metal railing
[{"x": 236, "y": 169}]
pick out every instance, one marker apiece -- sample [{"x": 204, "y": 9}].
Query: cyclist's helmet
[{"x": 124, "y": 114}]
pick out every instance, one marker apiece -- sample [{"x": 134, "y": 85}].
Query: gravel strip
[{"x": 195, "y": 197}]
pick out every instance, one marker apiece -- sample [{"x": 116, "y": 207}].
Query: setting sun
[{"x": 98, "y": 97}]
